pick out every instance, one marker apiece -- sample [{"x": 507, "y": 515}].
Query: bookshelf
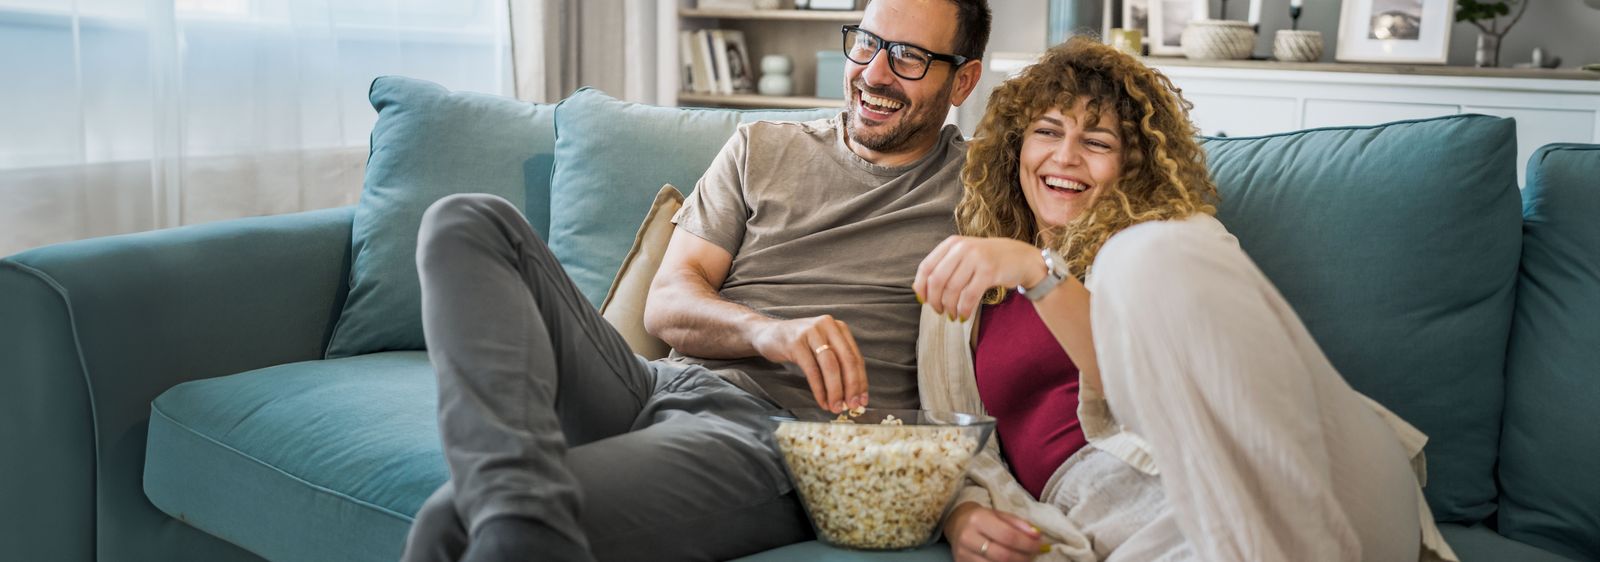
[
  {"x": 799, "y": 34},
  {"x": 756, "y": 101},
  {"x": 776, "y": 15}
]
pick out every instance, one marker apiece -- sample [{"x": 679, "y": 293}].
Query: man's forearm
[{"x": 688, "y": 315}]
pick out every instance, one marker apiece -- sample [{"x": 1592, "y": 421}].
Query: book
[
  {"x": 686, "y": 61},
  {"x": 704, "y": 64},
  {"x": 719, "y": 52}
]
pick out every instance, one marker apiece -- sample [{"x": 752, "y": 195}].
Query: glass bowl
[{"x": 871, "y": 485}]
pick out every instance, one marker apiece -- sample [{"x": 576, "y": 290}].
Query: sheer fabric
[{"x": 127, "y": 115}]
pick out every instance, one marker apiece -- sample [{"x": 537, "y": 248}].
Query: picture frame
[
  {"x": 735, "y": 58},
  {"x": 1395, "y": 31},
  {"x": 1167, "y": 20},
  {"x": 1135, "y": 15}
]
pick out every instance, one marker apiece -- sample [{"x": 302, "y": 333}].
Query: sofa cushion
[
  {"x": 624, "y": 304},
  {"x": 428, "y": 143},
  {"x": 321, "y": 460},
  {"x": 1480, "y": 544},
  {"x": 1550, "y": 452},
  {"x": 1397, "y": 245},
  {"x": 611, "y": 158}
]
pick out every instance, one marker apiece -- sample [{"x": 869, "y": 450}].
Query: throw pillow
[
  {"x": 1397, "y": 246},
  {"x": 611, "y": 156},
  {"x": 430, "y": 142},
  {"x": 1551, "y": 448},
  {"x": 624, "y": 304}
]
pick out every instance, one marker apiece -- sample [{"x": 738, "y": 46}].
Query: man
[{"x": 786, "y": 282}]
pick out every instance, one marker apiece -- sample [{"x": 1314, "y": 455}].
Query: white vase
[
  {"x": 775, "y": 85},
  {"x": 1218, "y": 40},
  {"x": 1297, "y": 45},
  {"x": 775, "y": 80}
]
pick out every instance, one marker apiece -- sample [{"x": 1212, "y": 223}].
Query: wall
[
  {"x": 1565, "y": 28},
  {"x": 1018, "y": 27}
]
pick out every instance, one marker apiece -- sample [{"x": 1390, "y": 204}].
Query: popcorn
[{"x": 876, "y": 487}]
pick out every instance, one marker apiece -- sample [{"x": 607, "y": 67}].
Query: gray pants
[{"x": 546, "y": 415}]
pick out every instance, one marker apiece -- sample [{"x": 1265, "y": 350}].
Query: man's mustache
[{"x": 881, "y": 92}]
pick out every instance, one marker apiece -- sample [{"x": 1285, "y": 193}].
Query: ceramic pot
[
  {"x": 1297, "y": 45},
  {"x": 1218, "y": 40}
]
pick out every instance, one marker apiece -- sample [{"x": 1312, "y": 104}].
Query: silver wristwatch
[{"x": 1055, "y": 271}]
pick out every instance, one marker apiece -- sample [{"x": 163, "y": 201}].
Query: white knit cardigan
[{"x": 946, "y": 382}]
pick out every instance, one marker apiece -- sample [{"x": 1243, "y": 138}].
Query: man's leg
[
  {"x": 526, "y": 368},
  {"x": 1263, "y": 449},
  {"x": 437, "y": 534},
  {"x": 698, "y": 480}
]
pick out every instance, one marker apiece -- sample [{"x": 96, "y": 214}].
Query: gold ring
[
  {"x": 821, "y": 348},
  {"x": 984, "y": 550}
]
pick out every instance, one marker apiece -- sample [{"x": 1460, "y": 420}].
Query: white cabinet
[
  {"x": 1243, "y": 98},
  {"x": 1249, "y": 97}
]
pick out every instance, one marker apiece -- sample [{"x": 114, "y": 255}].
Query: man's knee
[{"x": 463, "y": 220}]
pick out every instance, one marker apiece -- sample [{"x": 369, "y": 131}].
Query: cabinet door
[
  {"x": 1340, "y": 113},
  {"x": 1539, "y": 127},
  {"x": 1242, "y": 116}
]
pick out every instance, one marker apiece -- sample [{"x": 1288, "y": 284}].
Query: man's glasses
[{"x": 906, "y": 60}]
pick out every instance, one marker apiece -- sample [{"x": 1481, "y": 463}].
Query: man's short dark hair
[{"x": 972, "y": 27}]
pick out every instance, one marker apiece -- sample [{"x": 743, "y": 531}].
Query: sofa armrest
[{"x": 92, "y": 331}]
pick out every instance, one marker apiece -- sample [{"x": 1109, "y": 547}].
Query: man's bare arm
[{"x": 685, "y": 311}]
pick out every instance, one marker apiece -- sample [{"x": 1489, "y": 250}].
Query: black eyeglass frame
[{"x": 884, "y": 44}]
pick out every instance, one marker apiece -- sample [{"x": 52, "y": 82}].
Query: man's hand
[
  {"x": 954, "y": 276},
  {"x": 977, "y": 533},
  {"x": 825, "y": 351}
]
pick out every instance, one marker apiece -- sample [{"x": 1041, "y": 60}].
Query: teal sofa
[{"x": 254, "y": 389}]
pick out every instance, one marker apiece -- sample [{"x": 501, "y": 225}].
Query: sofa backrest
[
  {"x": 1550, "y": 452},
  {"x": 597, "y": 160},
  {"x": 1397, "y": 245},
  {"x": 612, "y": 157}
]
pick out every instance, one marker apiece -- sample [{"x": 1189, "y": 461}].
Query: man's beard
[{"x": 911, "y": 127}]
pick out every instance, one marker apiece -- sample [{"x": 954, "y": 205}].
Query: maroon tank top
[{"x": 1030, "y": 386}]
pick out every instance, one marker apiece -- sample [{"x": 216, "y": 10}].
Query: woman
[{"x": 1208, "y": 425}]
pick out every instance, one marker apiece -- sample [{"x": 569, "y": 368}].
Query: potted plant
[{"x": 1486, "y": 16}]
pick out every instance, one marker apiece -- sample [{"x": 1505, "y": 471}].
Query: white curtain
[
  {"x": 127, "y": 115},
  {"x": 562, "y": 45}
]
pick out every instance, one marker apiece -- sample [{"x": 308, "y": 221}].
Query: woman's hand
[
  {"x": 954, "y": 276},
  {"x": 977, "y": 533}
]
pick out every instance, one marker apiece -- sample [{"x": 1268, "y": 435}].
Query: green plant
[{"x": 1486, "y": 16}]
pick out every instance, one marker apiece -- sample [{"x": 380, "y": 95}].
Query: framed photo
[
  {"x": 1168, "y": 19},
  {"x": 1395, "y": 31},
  {"x": 735, "y": 57}
]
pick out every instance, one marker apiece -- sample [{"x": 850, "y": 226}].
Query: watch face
[{"x": 1058, "y": 266}]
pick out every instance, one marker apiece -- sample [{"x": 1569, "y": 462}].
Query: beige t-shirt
[{"x": 814, "y": 229}]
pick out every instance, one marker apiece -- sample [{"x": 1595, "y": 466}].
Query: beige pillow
[{"x": 624, "y": 305}]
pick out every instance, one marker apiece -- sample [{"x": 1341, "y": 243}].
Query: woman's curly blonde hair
[{"x": 1163, "y": 168}]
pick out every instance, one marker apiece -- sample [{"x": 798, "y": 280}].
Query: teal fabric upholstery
[
  {"x": 612, "y": 157},
  {"x": 1551, "y": 450},
  {"x": 814, "y": 551},
  {"x": 1480, "y": 544},
  {"x": 92, "y": 331},
  {"x": 319, "y": 460},
  {"x": 1397, "y": 245},
  {"x": 430, "y": 142}
]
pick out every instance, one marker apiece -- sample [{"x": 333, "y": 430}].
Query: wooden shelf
[
  {"x": 756, "y": 101},
  {"x": 776, "y": 15}
]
